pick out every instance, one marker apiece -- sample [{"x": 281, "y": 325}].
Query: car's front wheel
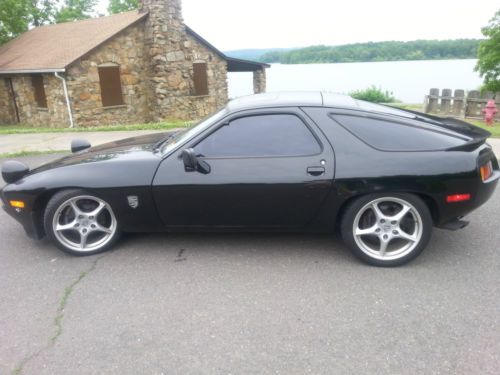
[
  {"x": 387, "y": 229},
  {"x": 80, "y": 223}
]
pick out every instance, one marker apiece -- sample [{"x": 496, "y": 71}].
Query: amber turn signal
[
  {"x": 486, "y": 171},
  {"x": 457, "y": 198},
  {"x": 17, "y": 204}
]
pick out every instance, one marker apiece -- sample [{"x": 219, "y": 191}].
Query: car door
[{"x": 268, "y": 169}]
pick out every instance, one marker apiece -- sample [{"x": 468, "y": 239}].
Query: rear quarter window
[{"x": 387, "y": 135}]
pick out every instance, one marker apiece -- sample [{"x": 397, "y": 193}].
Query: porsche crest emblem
[{"x": 133, "y": 201}]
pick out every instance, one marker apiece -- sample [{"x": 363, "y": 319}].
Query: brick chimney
[{"x": 165, "y": 38}]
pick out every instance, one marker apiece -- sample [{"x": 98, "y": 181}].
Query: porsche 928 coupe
[{"x": 270, "y": 162}]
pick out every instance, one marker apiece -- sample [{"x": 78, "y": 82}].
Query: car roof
[{"x": 292, "y": 98}]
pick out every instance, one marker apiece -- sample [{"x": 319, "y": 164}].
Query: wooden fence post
[
  {"x": 445, "y": 101},
  {"x": 458, "y": 102}
]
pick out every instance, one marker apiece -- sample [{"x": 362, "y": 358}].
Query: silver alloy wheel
[
  {"x": 84, "y": 223},
  {"x": 387, "y": 228}
]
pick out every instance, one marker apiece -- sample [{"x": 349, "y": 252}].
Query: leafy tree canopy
[
  {"x": 73, "y": 10},
  {"x": 380, "y": 51},
  {"x": 118, "y": 6},
  {"x": 16, "y": 16},
  {"x": 488, "y": 55}
]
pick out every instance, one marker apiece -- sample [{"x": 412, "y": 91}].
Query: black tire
[
  {"x": 104, "y": 223},
  {"x": 364, "y": 246}
]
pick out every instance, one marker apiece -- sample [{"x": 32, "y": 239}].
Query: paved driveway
[{"x": 250, "y": 304}]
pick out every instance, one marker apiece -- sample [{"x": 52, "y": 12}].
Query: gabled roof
[{"x": 52, "y": 48}]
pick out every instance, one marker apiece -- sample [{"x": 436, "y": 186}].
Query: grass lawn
[
  {"x": 25, "y": 129},
  {"x": 9, "y": 155}
]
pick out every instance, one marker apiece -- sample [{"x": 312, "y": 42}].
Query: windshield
[{"x": 188, "y": 133}]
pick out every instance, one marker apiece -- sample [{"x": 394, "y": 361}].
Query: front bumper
[{"x": 28, "y": 219}]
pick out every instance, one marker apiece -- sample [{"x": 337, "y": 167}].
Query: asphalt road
[{"x": 250, "y": 304}]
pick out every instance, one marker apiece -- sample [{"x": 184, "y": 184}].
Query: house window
[
  {"x": 200, "y": 79},
  {"x": 39, "y": 90},
  {"x": 111, "y": 87}
]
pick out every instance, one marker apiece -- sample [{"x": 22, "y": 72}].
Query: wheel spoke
[
  {"x": 61, "y": 227},
  {"x": 409, "y": 237},
  {"x": 76, "y": 209},
  {"x": 83, "y": 240},
  {"x": 364, "y": 232},
  {"x": 383, "y": 247},
  {"x": 378, "y": 214},
  {"x": 100, "y": 228},
  {"x": 401, "y": 214},
  {"x": 98, "y": 210}
]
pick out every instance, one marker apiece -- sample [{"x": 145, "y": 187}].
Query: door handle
[{"x": 316, "y": 171}]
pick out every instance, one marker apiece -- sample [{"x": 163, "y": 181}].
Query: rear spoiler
[{"x": 477, "y": 135}]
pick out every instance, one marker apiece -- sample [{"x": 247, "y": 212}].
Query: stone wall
[
  {"x": 127, "y": 51},
  {"x": 7, "y": 111},
  {"x": 259, "y": 81},
  {"x": 177, "y": 99},
  {"x": 171, "y": 52},
  {"x": 55, "y": 115}
]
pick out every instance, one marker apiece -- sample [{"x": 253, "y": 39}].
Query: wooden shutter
[
  {"x": 39, "y": 90},
  {"x": 111, "y": 87},
  {"x": 200, "y": 79}
]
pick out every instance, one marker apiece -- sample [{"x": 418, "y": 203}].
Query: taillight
[
  {"x": 486, "y": 171},
  {"x": 457, "y": 198}
]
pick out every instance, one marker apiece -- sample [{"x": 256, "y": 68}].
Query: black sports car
[{"x": 281, "y": 162}]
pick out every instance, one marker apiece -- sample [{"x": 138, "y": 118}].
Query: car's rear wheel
[
  {"x": 80, "y": 223},
  {"x": 387, "y": 229}
]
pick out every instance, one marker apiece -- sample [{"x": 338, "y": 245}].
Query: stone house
[{"x": 132, "y": 67}]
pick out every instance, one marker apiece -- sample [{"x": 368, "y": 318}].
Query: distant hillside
[
  {"x": 254, "y": 54},
  {"x": 380, "y": 51}
]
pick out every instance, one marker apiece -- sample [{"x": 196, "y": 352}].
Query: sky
[{"x": 243, "y": 24}]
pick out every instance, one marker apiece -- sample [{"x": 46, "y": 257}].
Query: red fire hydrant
[{"x": 489, "y": 112}]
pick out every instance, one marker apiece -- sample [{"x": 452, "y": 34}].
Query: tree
[
  {"x": 73, "y": 10},
  {"x": 118, "y": 6},
  {"x": 16, "y": 16},
  {"x": 41, "y": 12},
  {"x": 488, "y": 64}
]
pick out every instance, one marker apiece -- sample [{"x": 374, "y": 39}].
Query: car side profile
[{"x": 308, "y": 162}]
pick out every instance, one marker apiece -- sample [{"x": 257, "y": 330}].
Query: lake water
[{"x": 410, "y": 81}]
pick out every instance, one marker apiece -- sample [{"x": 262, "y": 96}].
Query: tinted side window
[
  {"x": 391, "y": 136},
  {"x": 264, "y": 135}
]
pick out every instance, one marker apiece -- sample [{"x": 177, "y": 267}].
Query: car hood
[{"x": 121, "y": 150}]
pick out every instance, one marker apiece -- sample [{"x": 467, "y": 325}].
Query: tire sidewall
[
  {"x": 353, "y": 209},
  {"x": 52, "y": 206}
]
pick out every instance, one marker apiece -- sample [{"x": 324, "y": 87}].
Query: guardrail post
[
  {"x": 471, "y": 108},
  {"x": 432, "y": 103},
  {"x": 445, "y": 101},
  {"x": 458, "y": 103}
]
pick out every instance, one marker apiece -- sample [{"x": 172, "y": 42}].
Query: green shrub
[{"x": 374, "y": 95}]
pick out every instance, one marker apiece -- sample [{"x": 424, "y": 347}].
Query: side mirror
[
  {"x": 192, "y": 163},
  {"x": 79, "y": 145},
  {"x": 14, "y": 170},
  {"x": 189, "y": 159}
]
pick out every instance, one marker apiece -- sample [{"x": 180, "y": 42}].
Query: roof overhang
[
  {"x": 239, "y": 65},
  {"x": 32, "y": 71},
  {"x": 233, "y": 64}
]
